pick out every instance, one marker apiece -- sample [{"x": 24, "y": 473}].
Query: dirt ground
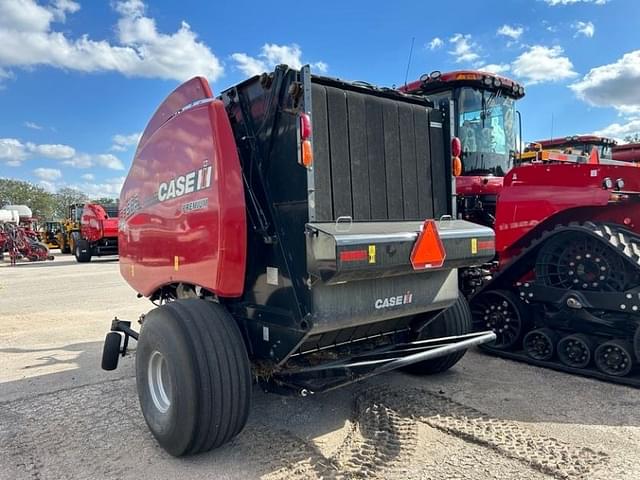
[{"x": 62, "y": 417}]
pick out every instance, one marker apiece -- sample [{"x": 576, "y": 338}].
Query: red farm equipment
[
  {"x": 285, "y": 228},
  {"x": 18, "y": 236},
  {"x": 576, "y": 145},
  {"x": 628, "y": 152},
  {"x": 564, "y": 291},
  {"x": 89, "y": 230}
]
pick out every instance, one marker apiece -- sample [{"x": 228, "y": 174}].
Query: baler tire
[
  {"x": 455, "y": 320},
  {"x": 205, "y": 365},
  {"x": 82, "y": 257},
  {"x": 111, "y": 351}
]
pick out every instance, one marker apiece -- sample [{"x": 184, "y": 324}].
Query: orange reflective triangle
[
  {"x": 594, "y": 157},
  {"x": 428, "y": 251}
]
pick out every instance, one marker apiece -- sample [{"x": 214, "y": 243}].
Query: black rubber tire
[
  {"x": 636, "y": 344},
  {"x": 64, "y": 248},
  {"x": 208, "y": 376},
  {"x": 82, "y": 251},
  {"x": 456, "y": 320},
  {"x": 111, "y": 351}
]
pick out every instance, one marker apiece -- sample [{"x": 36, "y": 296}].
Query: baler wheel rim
[{"x": 157, "y": 378}]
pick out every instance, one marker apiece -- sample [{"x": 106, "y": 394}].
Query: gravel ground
[{"x": 61, "y": 416}]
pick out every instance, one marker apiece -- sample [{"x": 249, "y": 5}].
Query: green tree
[
  {"x": 633, "y": 138},
  {"x": 106, "y": 201},
  {"x": 65, "y": 197},
  {"x": 18, "y": 192}
]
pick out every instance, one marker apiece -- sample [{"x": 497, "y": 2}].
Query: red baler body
[
  {"x": 193, "y": 227},
  {"x": 95, "y": 224}
]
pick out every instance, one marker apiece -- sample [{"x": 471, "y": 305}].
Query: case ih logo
[
  {"x": 185, "y": 184},
  {"x": 394, "y": 301}
]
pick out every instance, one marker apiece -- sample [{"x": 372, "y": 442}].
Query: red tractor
[
  {"x": 286, "y": 231},
  {"x": 565, "y": 289}
]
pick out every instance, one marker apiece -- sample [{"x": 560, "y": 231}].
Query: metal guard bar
[{"x": 382, "y": 365}]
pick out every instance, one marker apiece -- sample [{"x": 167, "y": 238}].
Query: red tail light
[
  {"x": 305, "y": 126},
  {"x": 456, "y": 147},
  {"x": 305, "y": 156}
]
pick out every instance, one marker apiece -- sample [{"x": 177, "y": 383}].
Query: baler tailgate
[{"x": 338, "y": 252}]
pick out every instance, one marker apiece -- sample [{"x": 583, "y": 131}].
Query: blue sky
[{"x": 79, "y": 79}]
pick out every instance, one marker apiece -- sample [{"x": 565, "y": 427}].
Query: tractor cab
[
  {"x": 75, "y": 213},
  {"x": 485, "y": 133}
]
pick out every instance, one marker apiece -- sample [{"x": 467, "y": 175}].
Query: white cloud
[
  {"x": 554, "y": 3},
  {"x": 587, "y": 29},
  {"x": 620, "y": 130},
  {"x": 543, "y": 64},
  {"x": 48, "y": 186},
  {"x": 271, "y": 55},
  {"x": 108, "y": 160},
  {"x": 435, "y": 43},
  {"x": 496, "y": 68},
  {"x": 464, "y": 49},
  {"x": 613, "y": 85},
  {"x": 60, "y": 8},
  {"x": 122, "y": 143},
  {"x": 48, "y": 174},
  {"x": 88, "y": 177},
  {"x": 511, "y": 32},
  {"x": 82, "y": 160},
  {"x": 53, "y": 151},
  {"x": 32, "y": 125},
  {"x": 29, "y": 39},
  {"x": 109, "y": 188},
  {"x": 13, "y": 152},
  {"x": 321, "y": 66},
  {"x": 85, "y": 160}
]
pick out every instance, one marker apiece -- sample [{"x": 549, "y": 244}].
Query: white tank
[
  {"x": 9, "y": 216},
  {"x": 23, "y": 210}
]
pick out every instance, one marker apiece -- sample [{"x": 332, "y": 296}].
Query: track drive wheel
[
  {"x": 540, "y": 344},
  {"x": 193, "y": 376},
  {"x": 455, "y": 320},
  {"x": 575, "y": 350},
  {"x": 502, "y": 312},
  {"x": 614, "y": 357}
]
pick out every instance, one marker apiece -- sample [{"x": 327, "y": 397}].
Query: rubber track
[
  {"x": 546, "y": 454},
  {"x": 591, "y": 372},
  {"x": 624, "y": 242}
]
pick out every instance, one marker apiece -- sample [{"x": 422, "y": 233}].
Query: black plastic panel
[{"x": 376, "y": 158}]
